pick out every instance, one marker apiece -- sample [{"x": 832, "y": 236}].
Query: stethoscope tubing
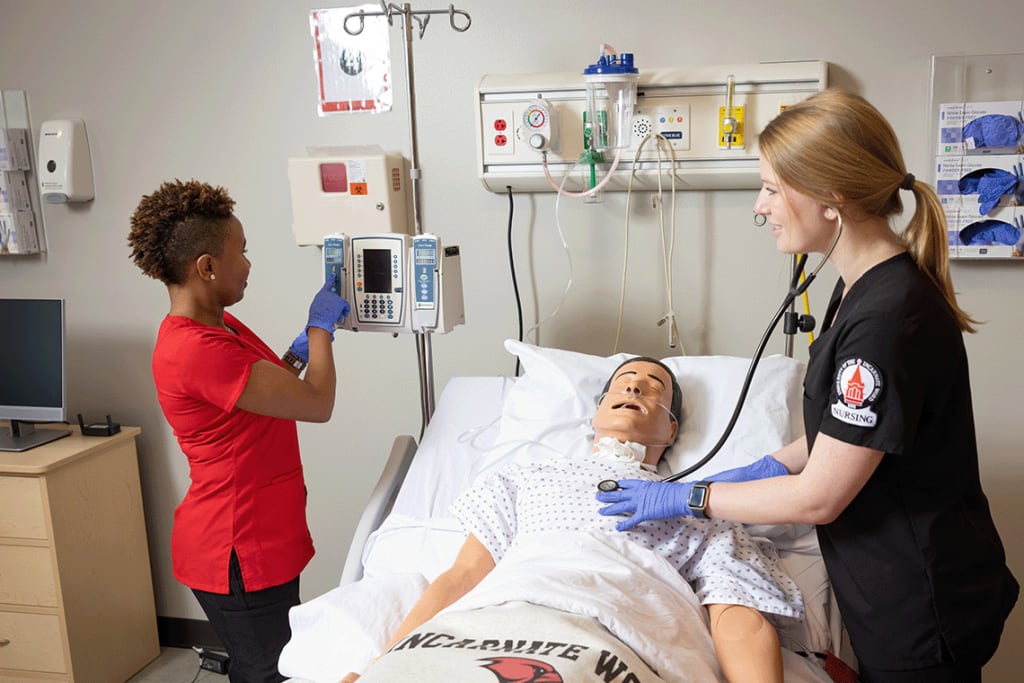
[{"x": 796, "y": 288}]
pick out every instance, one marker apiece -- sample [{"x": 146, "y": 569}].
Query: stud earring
[{"x": 213, "y": 276}]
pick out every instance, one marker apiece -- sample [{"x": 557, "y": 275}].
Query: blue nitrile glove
[
  {"x": 994, "y": 130},
  {"x": 762, "y": 469},
  {"x": 300, "y": 347},
  {"x": 646, "y": 500},
  {"x": 990, "y": 232},
  {"x": 990, "y": 184},
  {"x": 327, "y": 310}
]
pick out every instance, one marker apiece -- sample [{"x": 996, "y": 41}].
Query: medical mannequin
[
  {"x": 240, "y": 537},
  {"x": 888, "y": 469},
  {"x": 636, "y": 416}
]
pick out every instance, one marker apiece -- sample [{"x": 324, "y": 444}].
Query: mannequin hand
[
  {"x": 646, "y": 500},
  {"x": 327, "y": 310},
  {"x": 762, "y": 469}
]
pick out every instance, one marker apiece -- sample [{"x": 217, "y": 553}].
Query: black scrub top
[{"x": 915, "y": 559}]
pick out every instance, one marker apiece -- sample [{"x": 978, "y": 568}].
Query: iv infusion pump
[{"x": 396, "y": 282}]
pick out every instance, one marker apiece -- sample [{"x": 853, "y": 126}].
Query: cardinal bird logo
[{"x": 519, "y": 670}]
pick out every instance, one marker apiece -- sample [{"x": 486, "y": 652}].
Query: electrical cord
[{"x": 512, "y": 270}]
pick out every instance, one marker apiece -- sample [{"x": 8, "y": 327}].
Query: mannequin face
[
  {"x": 636, "y": 406},
  {"x": 799, "y": 224}
]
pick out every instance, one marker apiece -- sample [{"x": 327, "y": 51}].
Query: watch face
[{"x": 698, "y": 496}]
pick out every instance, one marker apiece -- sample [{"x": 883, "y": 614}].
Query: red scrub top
[{"x": 247, "y": 489}]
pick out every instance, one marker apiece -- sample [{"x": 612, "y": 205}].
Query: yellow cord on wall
[{"x": 807, "y": 307}]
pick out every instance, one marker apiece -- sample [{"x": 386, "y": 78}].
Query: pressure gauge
[
  {"x": 540, "y": 126},
  {"x": 536, "y": 117}
]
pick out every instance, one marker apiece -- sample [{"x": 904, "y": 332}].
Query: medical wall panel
[{"x": 683, "y": 105}]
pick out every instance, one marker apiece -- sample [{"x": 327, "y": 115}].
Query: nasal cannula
[{"x": 796, "y": 288}]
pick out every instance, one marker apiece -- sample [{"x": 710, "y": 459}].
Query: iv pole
[{"x": 424, "y": 352}]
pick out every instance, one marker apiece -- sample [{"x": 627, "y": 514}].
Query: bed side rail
[{"x": 377, "y": 508}]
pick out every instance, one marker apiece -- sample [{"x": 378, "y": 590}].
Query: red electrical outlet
[
  {"x": 500, "y": 140},
  {"x": 500, "y": 124}
]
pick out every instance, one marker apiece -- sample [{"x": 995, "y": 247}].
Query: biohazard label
[{"x": 858, "y": 384}]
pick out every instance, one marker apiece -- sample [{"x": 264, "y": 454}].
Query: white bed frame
[{"x": 381, "y": 502}]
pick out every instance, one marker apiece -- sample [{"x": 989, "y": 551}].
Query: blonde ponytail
[
  {"x": 836, "y": 144},
  {"x": 926, "y": 239}
]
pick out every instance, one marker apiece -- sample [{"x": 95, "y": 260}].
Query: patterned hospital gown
[{"x": 723, "y": 563}]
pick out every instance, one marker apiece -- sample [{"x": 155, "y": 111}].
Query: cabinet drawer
[
  {"x": 26, "y": 576},
  {"x": 31, "y": 642},
  {"x": 21, "y": 508}
]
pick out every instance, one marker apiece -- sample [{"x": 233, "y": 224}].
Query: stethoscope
[{"x": 796, "y": 288}]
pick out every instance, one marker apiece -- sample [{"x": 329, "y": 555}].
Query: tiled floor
[{"x": 176, "y": 665}]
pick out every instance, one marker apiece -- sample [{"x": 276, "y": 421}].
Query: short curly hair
[{"x": 177, "y": 224}]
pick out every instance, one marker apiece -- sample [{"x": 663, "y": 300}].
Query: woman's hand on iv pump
[
  {"x": 646, "y": 500},
  {"x": 327, "y": 310}
]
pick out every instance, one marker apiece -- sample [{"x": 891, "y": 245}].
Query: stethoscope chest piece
[{"x": 608, "y": 485}]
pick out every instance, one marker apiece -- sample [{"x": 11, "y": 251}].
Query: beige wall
[{"x": 223, "y": 91}]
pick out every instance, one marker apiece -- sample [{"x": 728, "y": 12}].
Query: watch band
[
  {"x": 294, "y": 360},
  {"x": 698, "y": 499}
]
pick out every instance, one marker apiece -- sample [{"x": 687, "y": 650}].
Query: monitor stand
[{"x": 21, "y": 436}]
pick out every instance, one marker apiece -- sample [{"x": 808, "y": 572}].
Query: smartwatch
[
  {"x": 698, "y": 498},
  {"x": 293, "y": 360}
]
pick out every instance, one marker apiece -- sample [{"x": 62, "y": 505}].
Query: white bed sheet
[{"x": 420, "y": 538}]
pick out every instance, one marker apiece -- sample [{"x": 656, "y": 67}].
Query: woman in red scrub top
[{"x": 240, "y": 538}]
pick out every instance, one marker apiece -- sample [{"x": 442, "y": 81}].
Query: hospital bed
[{"x": 407, "y": 536}]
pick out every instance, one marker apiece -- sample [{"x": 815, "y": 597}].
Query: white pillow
[{"x": 553, "y": 402}]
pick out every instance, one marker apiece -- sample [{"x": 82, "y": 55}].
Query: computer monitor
[{"x": 31, "y": 371}]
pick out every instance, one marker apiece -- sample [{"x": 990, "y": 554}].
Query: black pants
[{"x": 252, "y": 626}]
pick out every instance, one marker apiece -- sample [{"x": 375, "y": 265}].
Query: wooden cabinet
[{"x": 76, "y": 592}]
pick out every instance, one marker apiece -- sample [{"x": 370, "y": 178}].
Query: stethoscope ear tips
[
  {"x": 760, "y": 219},
  {"x": 608, "y": 485}
]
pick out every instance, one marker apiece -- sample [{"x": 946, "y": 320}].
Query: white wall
[{"x": 224, "y": 91}]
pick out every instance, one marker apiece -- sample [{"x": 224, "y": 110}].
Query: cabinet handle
[{"x": 4, "y": 641}]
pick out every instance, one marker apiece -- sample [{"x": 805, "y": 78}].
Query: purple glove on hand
[
  {"x": 646, "y": 500},
  {"x": 327, "y": 310},
  {"x": 300, "y": 347},
  {"x": 762, "y": 469}
]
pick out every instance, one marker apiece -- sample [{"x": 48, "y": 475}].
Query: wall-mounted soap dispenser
[{"x": 65, "y": 167}]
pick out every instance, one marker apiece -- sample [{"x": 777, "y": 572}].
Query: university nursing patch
[{"x": 858, "y": 384}]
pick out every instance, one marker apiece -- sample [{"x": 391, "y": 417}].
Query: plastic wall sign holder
[{"x": 680, "y": 104}]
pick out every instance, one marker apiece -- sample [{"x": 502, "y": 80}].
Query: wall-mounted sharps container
[{"x": 611, "y": 98}]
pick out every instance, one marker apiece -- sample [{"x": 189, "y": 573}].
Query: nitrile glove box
[
  {"x": 14, "y": 194},
  {"x": 14, "y": 154},
  {"x": 965, "y": 225},
  {"x": 953, "y": 117},
  {"x": 18, "y": 233},
  {"x": 950, "y": 169}
]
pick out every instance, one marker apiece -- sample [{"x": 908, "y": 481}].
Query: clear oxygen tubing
[
  {"x": 667, "y": 252},
  {"x": 568, "y": 257},
  {"x": 797, "y": 287},
  {"x": 559, "y": 188}
]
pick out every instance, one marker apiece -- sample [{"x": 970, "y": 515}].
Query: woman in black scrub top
[{"x": 888, "y": 469}]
